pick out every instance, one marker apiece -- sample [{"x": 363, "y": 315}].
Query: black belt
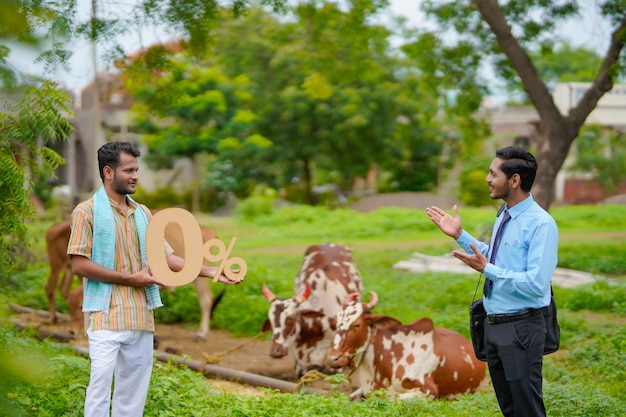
[{"x": 510, "y": 317}]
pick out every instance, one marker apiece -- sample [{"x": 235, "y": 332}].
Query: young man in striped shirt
[{"x": 107, "y": 246}]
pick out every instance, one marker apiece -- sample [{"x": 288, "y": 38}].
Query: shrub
[{"x": 474, "y": 190}]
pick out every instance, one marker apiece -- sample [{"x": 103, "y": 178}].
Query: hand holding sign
[
  {"x": 195, "y": 250},
  {"x": 226, "y": 263}
]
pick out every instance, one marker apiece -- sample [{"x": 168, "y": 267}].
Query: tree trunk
[
  {"x": 308, "y": 181},
  {"x": 196, "y": 183},
  {"x": 553, "y": 143}
]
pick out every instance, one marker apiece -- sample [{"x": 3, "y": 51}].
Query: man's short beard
[
  {"x": 124, "y": 190},
  {"x": 501, "y": 196}
]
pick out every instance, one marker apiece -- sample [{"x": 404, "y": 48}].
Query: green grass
[{"x": 585, "y": 378}]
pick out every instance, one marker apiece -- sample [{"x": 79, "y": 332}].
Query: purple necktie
[{"x": 496, "y": 242}]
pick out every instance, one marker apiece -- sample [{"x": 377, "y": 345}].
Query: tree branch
[
  {"x": 533, "y": 84},
  {"x": 604, "y": 81}
]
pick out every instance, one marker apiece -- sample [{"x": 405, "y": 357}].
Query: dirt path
[{"x": 249, "y": 355}]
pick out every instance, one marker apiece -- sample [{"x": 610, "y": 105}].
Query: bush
[
  {"x": 260, "y": 203},
  {"x": 601, "y": 296},
  {"x": 170, "y": 197},
  {"x": 474, "y": 189}
]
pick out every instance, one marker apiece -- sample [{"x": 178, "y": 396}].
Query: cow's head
[
  {"x": 353, "y": 328},
  {"x": 282, "y": 319}
]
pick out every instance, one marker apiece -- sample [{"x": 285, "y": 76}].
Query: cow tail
[{"x": 217, "y": 299}]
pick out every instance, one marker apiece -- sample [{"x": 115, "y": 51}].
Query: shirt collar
[
  {"x": 520, "y": 207},
  {"x": 131, "y": 205}
]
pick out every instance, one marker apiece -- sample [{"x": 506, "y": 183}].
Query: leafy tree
[
  {"x": 561, "y": 64},
  {"x": 565, "y": 63},
  {"x": 30, "y": 24},
  {"x": 602, "y": 154},
  {"x": 56, "y": 24},
  {"x": 508, "y": 33},
  {"x": 328, "y": 96},
  {"x": 473, "y": 183},
  {"x": 38, "y": 118},
  {"x": 448, "y": 74},
  {"x": 186, "y": 110},
  {"x": 30, "y": 117}
]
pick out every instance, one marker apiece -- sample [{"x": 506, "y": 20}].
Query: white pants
[{"x": 127, "y": 355}]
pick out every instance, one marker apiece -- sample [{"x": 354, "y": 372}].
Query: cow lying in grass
[{"x": 413, "y": 360}]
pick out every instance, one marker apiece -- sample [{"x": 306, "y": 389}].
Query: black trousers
[{"x": 515, "y": 359}]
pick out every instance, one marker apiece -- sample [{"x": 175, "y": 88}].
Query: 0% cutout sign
[{"x": 196, "y": 251}]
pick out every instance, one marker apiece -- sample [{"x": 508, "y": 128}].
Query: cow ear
[
  {"x": 332, "y": 322},
  {"x": 266, "y": 326},
  {"x": 383, "y": 322}
]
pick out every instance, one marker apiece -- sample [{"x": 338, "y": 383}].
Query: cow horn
[
  {"x": 305, "y": 294},
  {"x": 351, "y": 297},
  {"x": 269, "y": 295},
  {"x": 373, "y": 300}
]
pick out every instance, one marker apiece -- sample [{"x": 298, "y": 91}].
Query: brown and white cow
[
  {"x": 413, "y": 360},
  {"x": 301, "y": 324},
  {"x": 57, "y": 239}
]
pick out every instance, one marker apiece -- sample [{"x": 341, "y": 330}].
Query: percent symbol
[
  {"x": 225, "y": 263},
  {"x": 194, "y": 250}
]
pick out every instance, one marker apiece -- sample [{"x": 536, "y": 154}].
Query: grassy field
[{"x": 587, "y": 377}]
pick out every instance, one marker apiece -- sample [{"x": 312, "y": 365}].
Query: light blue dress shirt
[{"x": 525, "y": 261}]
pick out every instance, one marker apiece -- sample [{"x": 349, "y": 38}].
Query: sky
[{"x": 588, "y": 31}]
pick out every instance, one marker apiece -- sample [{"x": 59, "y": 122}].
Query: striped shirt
[{"x": 128, "y": 309}]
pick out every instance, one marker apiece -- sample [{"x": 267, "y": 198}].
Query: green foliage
[
  {"x": 597, "y": 256},
  {"x": 530, "y": 27},
  {"x": 598, "y": 356},
  {"x": 558, "y": 63},
  {"x": 586, "y": 377},
  {"x": 51, "y": 380},
  {"x": 48, "y": 27},
  {"x": 566, "y": 63},
  {"x": 580, "y": 399},
  {"x": 31, "y": 373},
  {"x": 601, "y": 296},
  {"x": 260, "y": 203},
  {"x": 583, "y": 217},
  {"x": 329, "y": 96},
  {"x": 38, "y": 116},
  {"x": 31, "y": 24},
  {"x": 188, "y": 109},
  {"x": 533, "y": 32},
  {"x": 243, "y": 310},
  {"x": 161, "y": 197},
  {"x": 449, "y": 75},
  {"x": 195, "y": 110},
  {"x": 170, "y": 197},
  {"x": 182, "y": 306},
  {"x": 474, "y": 189},
  {"x": 309, "y": 223},
  {"x": 603, "y": 155}
]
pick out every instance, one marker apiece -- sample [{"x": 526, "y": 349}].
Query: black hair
[
  {"x": 109, "y": 154},
  {"x": 517, "y": 160}
]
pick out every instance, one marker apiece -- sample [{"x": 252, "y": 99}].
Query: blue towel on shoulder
[{"x": 97, "y": 294}]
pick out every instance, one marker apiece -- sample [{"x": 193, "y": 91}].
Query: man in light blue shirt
[{"x": 518, "y": 266}]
